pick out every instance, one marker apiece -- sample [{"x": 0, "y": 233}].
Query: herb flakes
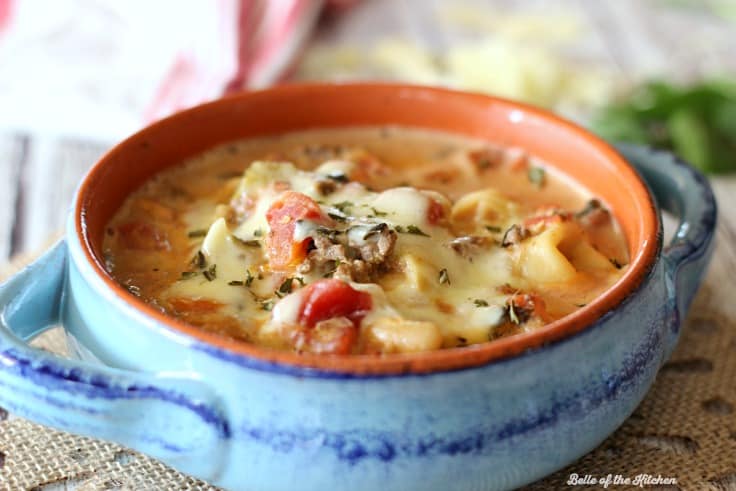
[
  {"x": 210, "y": 273},
  {"x": 512, "y": 314},
  {"x": 235, "y": 283},
  {"x": 444, "y": 277},
  {"x": 285, "y": 287},
  {"x": 192, "y": 234},
  {"x": 337, "y": 218},
  {"x": 199, "y": 260},
  {"x": 248, "y": 277},
  {"x": 247, "y": 243},
  {"x": 590, "y": 206},
  {"x": 343, "y": 206},
  {"x": 185, "y": 275},
  {"x": 411, "y": 229},
  {"x": 537, "y": 176},
  {"x": 480, "y": 302}
]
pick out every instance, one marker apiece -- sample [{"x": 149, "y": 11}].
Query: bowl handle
[
  {"x": 686, "y": 193},
  {"x": 174, "y": 418}
]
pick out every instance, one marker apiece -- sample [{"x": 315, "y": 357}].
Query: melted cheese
[{"x": 447, "y": 281}]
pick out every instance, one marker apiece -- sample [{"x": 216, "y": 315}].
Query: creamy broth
[{"x": 440, "y": 240}]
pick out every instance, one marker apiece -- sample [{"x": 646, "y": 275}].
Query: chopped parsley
[
  {"x": 343, "y": 206},
  {"x": 185, "y": 275},
  {"x": 378, "y": 213},
  {"x": 410, "y": 229},
  {"x": 199, "y": 260},
  {"x": 210, "y": 273},
  {"x": 494, "y": 229},
  {"x": 328, "y": 232},
  {"x": 376, "y": 229},
  {"x": 235, "y": 283},
  {"x": 444, "y": 277},
  {"x": 267, "y": 305},
  {"x": 512, "y": 314},
  {"x": 247, "y": 243},
  {"x": 248, "y": 278},
  {"x": 197, "y": 233},
  {"x": 590, "y": 206},
  {"x": 537, "y": 176},
  {"x": 480, "y": 303},
  {"x": 257, "y": 232},
  {"x": 285, "y": 287},
  {"x": 337, "y": 218}
]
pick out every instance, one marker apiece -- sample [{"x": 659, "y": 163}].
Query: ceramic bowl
[{"x": 485, "y": 417}]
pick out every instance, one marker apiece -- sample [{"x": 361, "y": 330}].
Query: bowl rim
[{"x": 447, "y": 359}]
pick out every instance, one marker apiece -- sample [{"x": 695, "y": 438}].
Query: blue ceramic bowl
[{"x": 477, "y": 418}]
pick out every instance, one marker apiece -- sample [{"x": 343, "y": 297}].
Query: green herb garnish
[
  {"x": 257, "y": 232},
  {"x": 337, "y": 218},
  {"x": 343, "y": 206},
  {"x": 235, "y": 283},
  {"x": 248, "y": 278},
  {"x": 210, "y": 273},
  {"x": 247, "y": 243},
  {"x": 512, "y": 314},
  {"x": 267, "y": 305},
  {"x": 480, "y": 303},
  {"x": 697, "y": 122},
  {"x": 378, "y": 213},
  {"x": 376, "y": 229},
  {"x": 199, "y": 260},
  {"x": 196, "y": 233},
  {"x": 185, "y": 275},
  {"x": 536, "y": 176},
  {"x": 590, "y": 206},
  {"x": 444, "y": 277},
  {"x": 412, "y": 229},
  {"x": 285, "y": 287},
  {"x": 493, "y": 229}
]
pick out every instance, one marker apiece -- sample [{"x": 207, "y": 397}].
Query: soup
[{"x": 364, "y": 240}]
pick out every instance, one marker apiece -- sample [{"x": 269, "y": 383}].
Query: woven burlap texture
[{"x": 685, "y": 429}]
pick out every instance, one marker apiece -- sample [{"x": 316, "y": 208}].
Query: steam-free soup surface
[{"x": 366, "y": 240}]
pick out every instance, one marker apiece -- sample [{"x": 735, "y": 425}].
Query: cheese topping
[{"x": 332, "y": 256}]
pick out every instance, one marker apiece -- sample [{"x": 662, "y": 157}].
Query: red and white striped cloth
[{"x": 106, "y": 67}]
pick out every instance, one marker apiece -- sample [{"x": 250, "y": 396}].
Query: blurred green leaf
[{"x": 697, "y": 122}]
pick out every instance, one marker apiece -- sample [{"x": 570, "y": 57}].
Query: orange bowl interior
[{"x": 287, "y": 108}]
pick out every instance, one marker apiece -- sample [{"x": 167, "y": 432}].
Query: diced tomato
[
  {"x": 332, "y": 298},
  {"x": 283, "y": 250},
  {"x": 143, "y": 236},
  {"x": 184, "y": 305},
  {"x": 435, "y": 212}
]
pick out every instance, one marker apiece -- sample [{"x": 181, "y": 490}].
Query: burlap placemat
[{"x": 684, "y": 430}]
